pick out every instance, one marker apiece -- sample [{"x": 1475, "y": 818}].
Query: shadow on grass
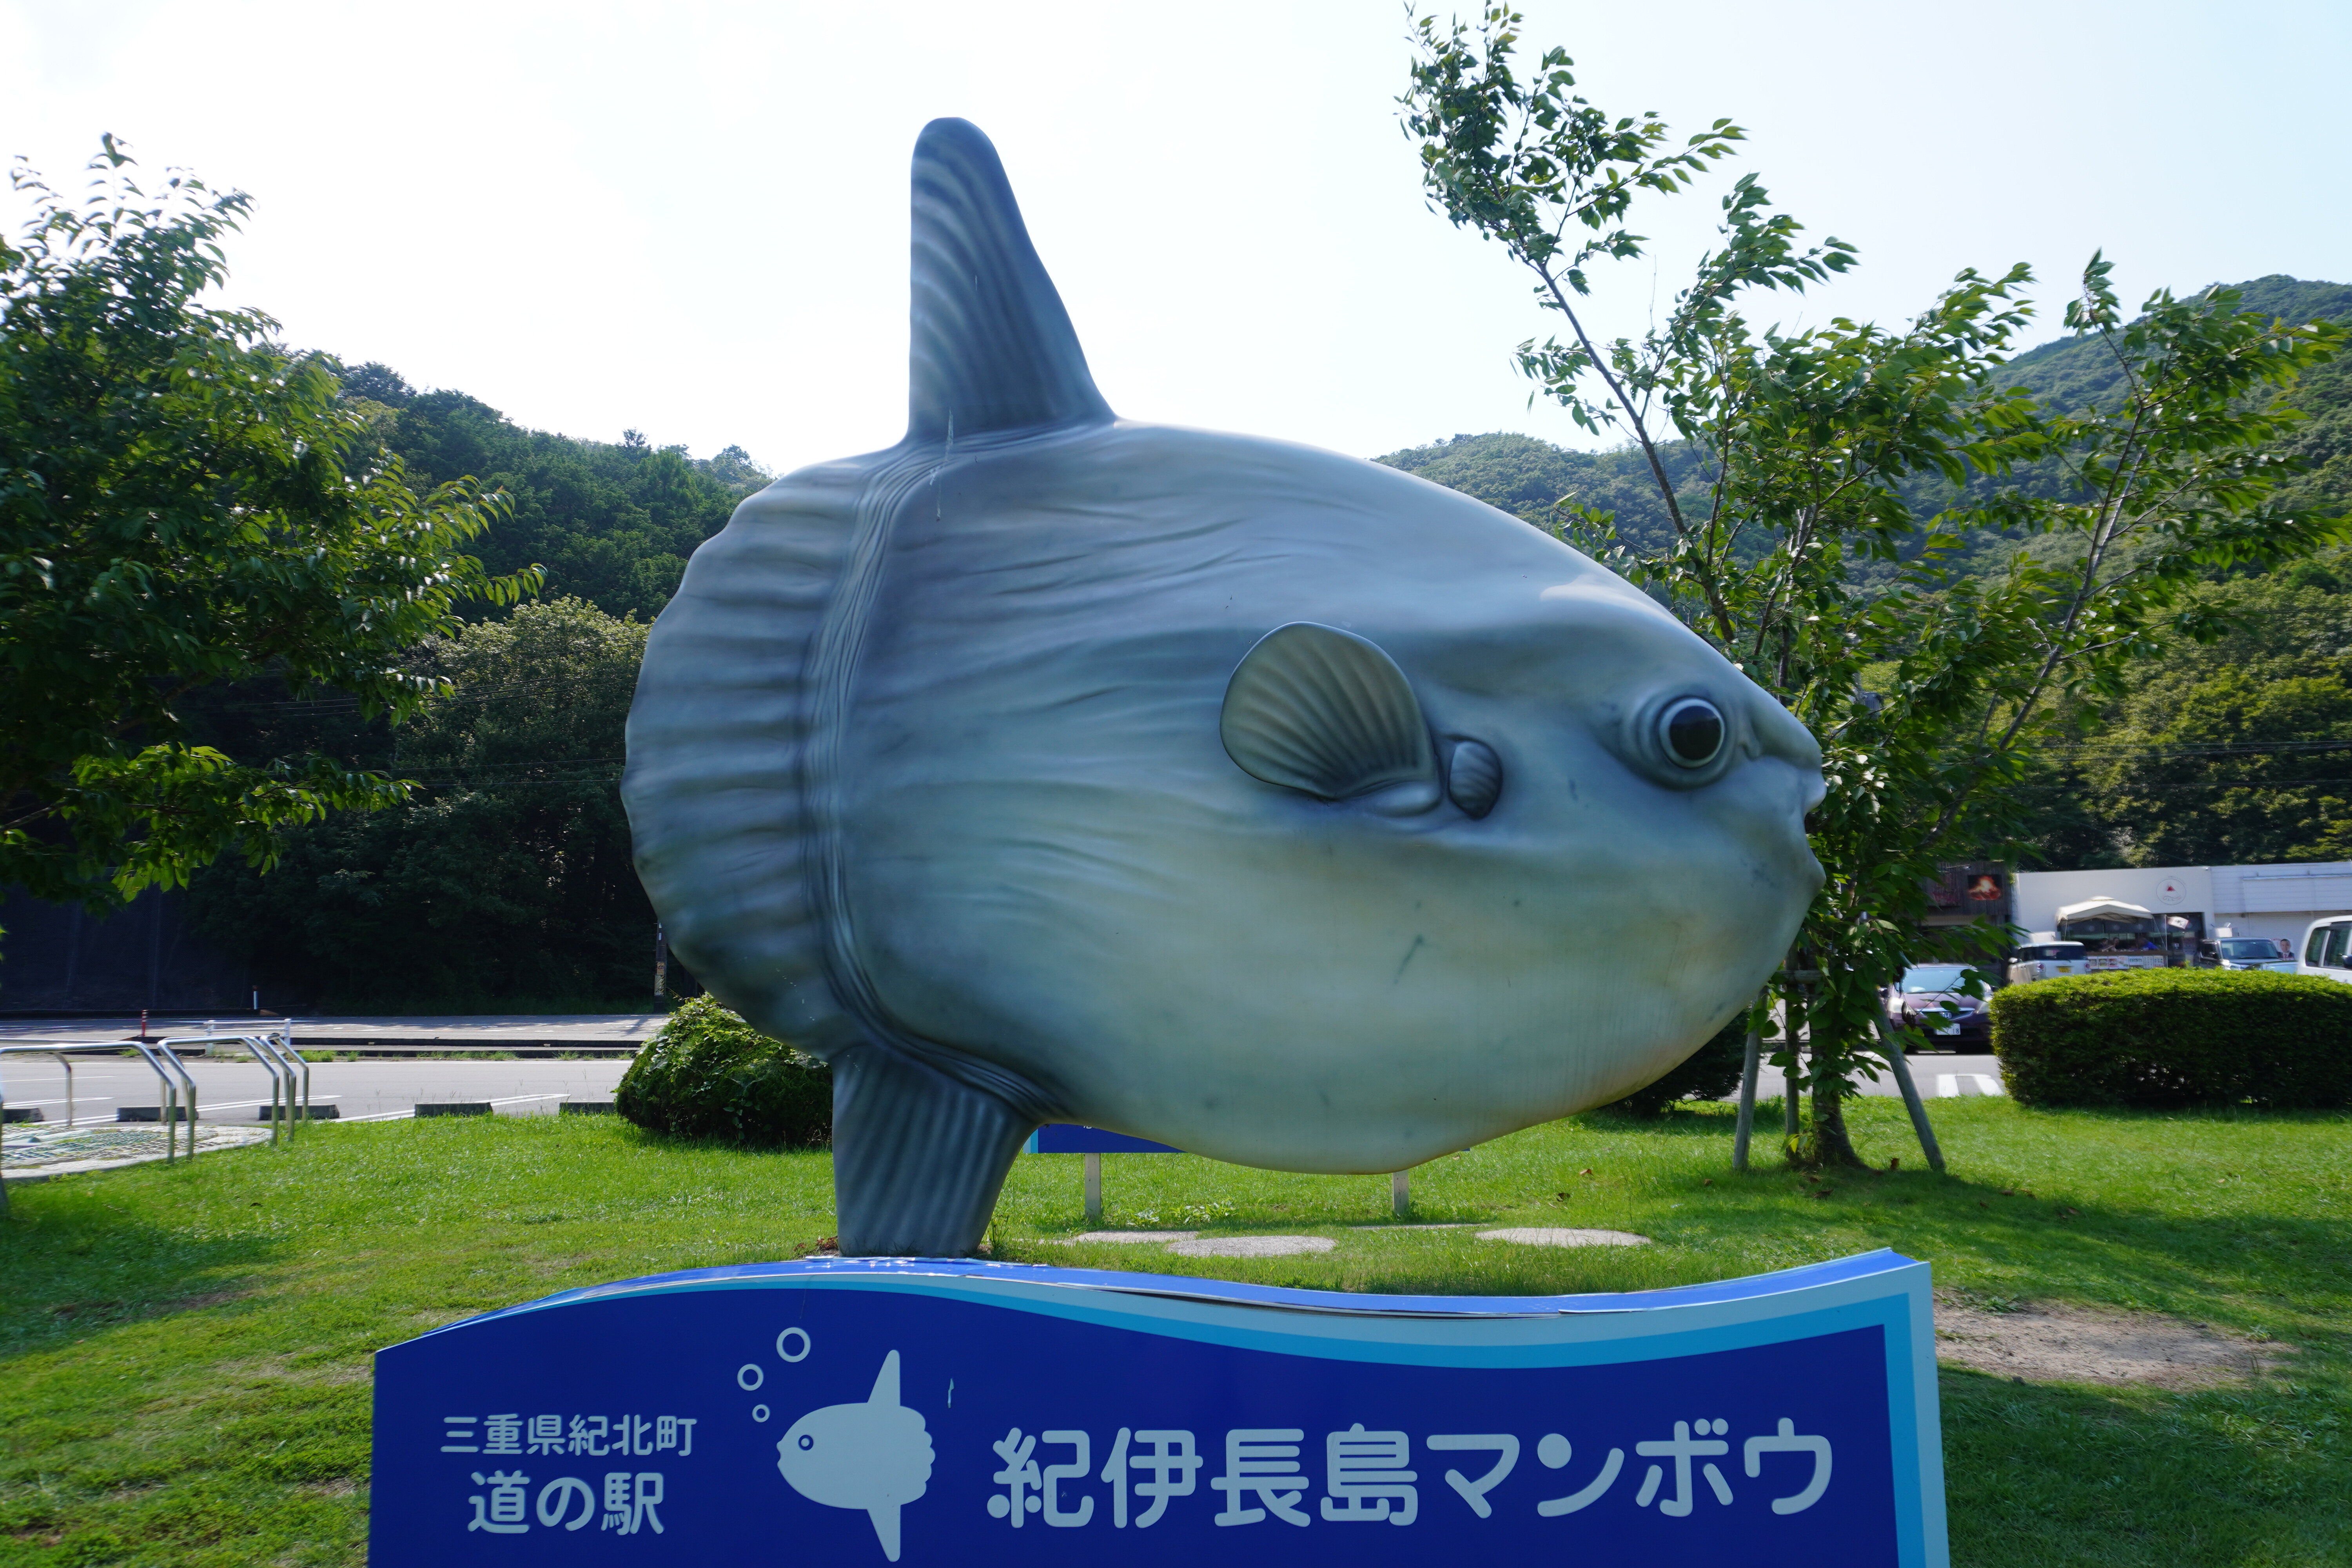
[
  {"x": 2246, "y": 1473},
  {"x": 1685, "y": 1120},
  {"x": 78, "y": 1263}
]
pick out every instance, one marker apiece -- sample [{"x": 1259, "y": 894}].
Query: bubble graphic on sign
[{"x": 876, "y": 1456}]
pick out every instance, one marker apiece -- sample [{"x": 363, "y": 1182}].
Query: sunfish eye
[
  {"x": 807, "y": 1441},
  {"x": 1693, "y": 731}
]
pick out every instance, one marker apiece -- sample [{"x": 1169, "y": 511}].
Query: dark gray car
[{"x": 1933, "y": 999}]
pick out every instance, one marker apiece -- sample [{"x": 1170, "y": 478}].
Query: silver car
[{"x": 2254, "y": 952}]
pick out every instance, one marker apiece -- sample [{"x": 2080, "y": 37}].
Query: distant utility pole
[{"x": 661, "y": 961}]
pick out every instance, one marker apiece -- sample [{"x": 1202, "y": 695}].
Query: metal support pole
[
  {"x": 286, "y": 1065},
  {"x": 1750, "y": 1063},
  {"x": 1801, "y": 1007},
  {"x": 1400, "y": 1192},
  {"x": 182, "y": 1068},
  {"x": 286, "y": 1044},
  {"x": 1901, "y": 1064},
  {"x": 279, "y": 1080},
  {"x": 1094, "y": 1186},
  {"x": 169, "y": 1095},
  {"x": 1790, "y": 1125}
]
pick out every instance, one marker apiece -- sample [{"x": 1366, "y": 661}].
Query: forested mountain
[
  {"x": 1524, "y": 476},
  {"x": 2071, "y": 372},
  {"x": 1527, "y": 476},
  {"x": 612, "y": 524}
]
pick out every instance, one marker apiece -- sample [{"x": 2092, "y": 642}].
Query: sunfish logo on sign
[
  {"x": 945, "y": 1412},
  {"x": 875, "y": 1456}
]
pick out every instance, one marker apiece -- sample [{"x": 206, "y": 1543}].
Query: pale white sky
[{"x": 691, "y": 219}]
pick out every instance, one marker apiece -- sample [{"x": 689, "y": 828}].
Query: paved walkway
[{"x": 36, "y": 1153}]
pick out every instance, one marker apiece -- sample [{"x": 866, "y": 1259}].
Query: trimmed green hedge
[
  {"x": 708, "y": 1074},
  {"x": 2163, "y": 1038},
  {"x": 1710, "y": 1072}
]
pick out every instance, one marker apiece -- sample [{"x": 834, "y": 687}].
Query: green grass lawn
[{"x": 183, "y": 1353}]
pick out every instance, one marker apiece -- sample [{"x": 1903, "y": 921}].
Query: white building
[{"x": 2251, "y": 901}]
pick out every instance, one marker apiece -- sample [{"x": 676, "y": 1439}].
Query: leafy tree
[
  {"x": 2234, "y": 751},
  {"x": 505, "y": 876},
  {"x": 1812, "y": 443},
  {"x": 181, "y": 504}
]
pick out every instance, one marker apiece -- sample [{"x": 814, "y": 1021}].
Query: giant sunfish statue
[{"x": 1271, "y": 804}]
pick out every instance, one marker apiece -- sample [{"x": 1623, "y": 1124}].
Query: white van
[
  {"x": 2044, "y": 957},
  {"x": 2327, "y": 949}
]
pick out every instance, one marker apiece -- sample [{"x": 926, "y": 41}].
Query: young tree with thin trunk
[{"x": 1932, "y": 690}]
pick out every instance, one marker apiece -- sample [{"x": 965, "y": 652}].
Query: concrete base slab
[
  {"x": 1252, "y": 1246},
  {"x": 1547, "y": 1236}
]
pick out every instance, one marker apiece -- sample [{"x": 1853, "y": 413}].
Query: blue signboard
[
  {"x": 1069, "y": 1138},
  {"x": 927, "y": 1412}
]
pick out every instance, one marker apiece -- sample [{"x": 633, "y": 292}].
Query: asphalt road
[
  {"x": 493, "y": 1030},
  {"x": 232, "y": 1090},
  {"x": 1938, "y": 1077}
]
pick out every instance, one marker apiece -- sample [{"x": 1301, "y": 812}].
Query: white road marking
[{"x": 1948, "y": 1084}]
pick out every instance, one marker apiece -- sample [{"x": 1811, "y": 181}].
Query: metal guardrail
[
  {"x": 289, "y": 1078},
  {"x": 276, "y": 1060}
]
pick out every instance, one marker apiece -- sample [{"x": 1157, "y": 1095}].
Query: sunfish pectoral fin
[
  {"x": 990, "y": 347},
  {"x": 1326, "y": 712},
  {"x": 885, "y": 1522},
  {"x": 886, "y": 1390}
]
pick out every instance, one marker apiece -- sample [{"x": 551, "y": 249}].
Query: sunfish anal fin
[
  {"x": 886, "y": 1387},
  {"x": 919, "y": 1157},
  {"x": 989, "y": 347},
  {"x": 885, "y": 1528}
]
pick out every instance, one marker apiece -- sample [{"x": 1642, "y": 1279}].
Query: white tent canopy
[{"x": 2093, "y": 908}]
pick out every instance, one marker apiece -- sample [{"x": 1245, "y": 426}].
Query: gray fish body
[{"x": 958, "y": 763}]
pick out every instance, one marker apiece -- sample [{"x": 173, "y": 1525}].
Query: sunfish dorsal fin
[
  {"x": 886, "y": 1382},
  {"x": 990, "y": 347}
]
